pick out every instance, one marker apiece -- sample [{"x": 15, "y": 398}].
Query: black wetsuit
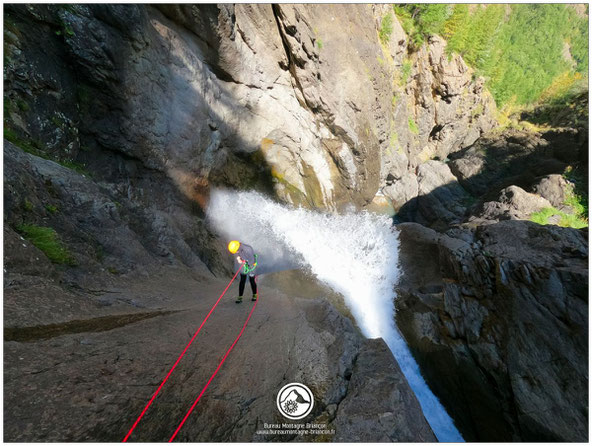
[
  {"x": 246, "y": 253},
  {"x": 243, "y": 280}
]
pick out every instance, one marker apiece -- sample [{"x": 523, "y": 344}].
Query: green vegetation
[
  {"x": 33, "y": 147},
  {"x": 394, "y": 142},
  {"x": 566, "y": 220},
  {"x": 561, "y": 105},
  {"x": 73, "y": 165},
  {"x": 577, "y": 203},
  {"x": 22, "y": 105},
  {"x": 405, "y": 71},
  {"x": 66, "y": 28},
  {"x": 521, "y": 49},
  {"x": 319, "y": 44},
  {"x": 422, "y": 20},
  {"x": 57, "y": 121},
  {"x": 477, "y": 111},
  {"x": 542, "y": 217},
  {"x": 386, "y": 29},
  {"x": 51, "y": 209},
  {"x": 28, "y": 205},
  {"x": 525, "y": 59},
  {"x": 46, "y": 239},
  {"x": 573, "y": 221},
  {"x": 576, "y": 198},
  {"x": 473, "y": 35},
  {"x": 413, "y": 126}
]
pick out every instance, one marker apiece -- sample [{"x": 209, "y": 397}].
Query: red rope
[
  {"x": 214, "y": 374},
  {"x": 179, "y": 358}
]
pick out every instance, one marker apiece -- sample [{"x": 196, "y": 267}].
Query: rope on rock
[
  {"x": 214, "y": 374},
  {"x": 181, "y": 356}
]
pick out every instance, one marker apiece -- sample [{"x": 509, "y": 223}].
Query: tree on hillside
[
  {"x": 456, "y": 27},
  {"x": 421, "y": 20},
  {"x": 520, "y": 49}
]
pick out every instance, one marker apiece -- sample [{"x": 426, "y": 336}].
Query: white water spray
[{"x": 355, "y": 254}]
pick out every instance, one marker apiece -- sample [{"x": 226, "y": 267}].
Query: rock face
[
  {"x": 131, "y": 224},
  {"x": 449, "y": 110},
  {"x": 245, "y": 96},
  {"x": 437, "y": 110},
  {"x": 497, "y": 319},
  {"x": 503, "y": 175},
  {"x": 552, "y": 188},
  {"x": 367, "y": 389},
  {"x": 95, "y": 373},
  {"x": 440, "y": 201},
  {"x": 515, "y": 157},
  {"x": 513, "y": 203}
]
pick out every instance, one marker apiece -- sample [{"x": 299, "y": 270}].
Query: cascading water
[{"x": 355, "y": 254}]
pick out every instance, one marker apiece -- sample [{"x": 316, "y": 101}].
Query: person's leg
[
  {"x": 241, "y": 287},
  {"x": 253, "y": 286}
]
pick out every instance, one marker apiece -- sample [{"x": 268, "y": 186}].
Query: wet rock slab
[{"x": 74, "y": 382}]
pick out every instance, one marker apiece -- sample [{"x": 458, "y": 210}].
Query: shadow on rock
[{"x": 454, "y": 192}]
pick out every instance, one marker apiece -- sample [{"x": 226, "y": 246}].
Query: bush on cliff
[{"x": 46, "y": 239}]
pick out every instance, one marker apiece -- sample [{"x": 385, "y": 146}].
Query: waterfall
[{"x": 355, "y": 254}]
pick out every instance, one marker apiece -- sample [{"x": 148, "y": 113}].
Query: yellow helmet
[{"x": 233, "y": 246}]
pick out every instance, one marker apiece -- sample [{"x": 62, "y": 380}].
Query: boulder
[
  {"x": 402, "y": 191},
  {"x": 553, "y": 188},
  {"x": 513, "y": 203},
  {"x": 441, "y": 200}
]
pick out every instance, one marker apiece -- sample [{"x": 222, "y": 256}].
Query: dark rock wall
[{"x": 497, "y": 318}]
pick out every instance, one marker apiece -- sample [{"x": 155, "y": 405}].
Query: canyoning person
[{"x": 246, "y": 257}]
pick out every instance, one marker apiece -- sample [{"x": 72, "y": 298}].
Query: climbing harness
[
  {"x": 183, "y": 354},
  {"x": 247, "y": 268}
]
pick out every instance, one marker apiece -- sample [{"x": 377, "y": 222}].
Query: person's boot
[
  {"x": 255, "y": 297},
  {"x": 239, "y": 299}
]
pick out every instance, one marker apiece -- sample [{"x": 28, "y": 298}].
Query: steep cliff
[
  {"x": 118, "y": 120},
  {"x": 497, "y": 317},
  {"x": 244, "y": 96}
]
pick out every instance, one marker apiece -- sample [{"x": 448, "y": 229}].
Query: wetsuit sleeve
[{"x": 246, "y": 253}]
